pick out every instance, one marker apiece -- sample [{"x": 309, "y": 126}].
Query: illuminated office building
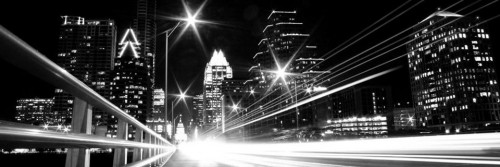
[
  {"x": 452, "y": 74},
  {"x": 129, "y": 85},
  {"x": 86, "y": 49},
  {"x": 35, "y": 111},
  {"x": 198, "y": 109},
  {"x": 156, "y": 119},
  {"x": 216, "y": 71}
]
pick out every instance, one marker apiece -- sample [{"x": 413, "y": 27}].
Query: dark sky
[{"x": 236, "y": 30}]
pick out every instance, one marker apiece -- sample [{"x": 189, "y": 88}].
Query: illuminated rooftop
[
  {"x": 443, "y": 14},
  {"x": 218, "y": 59}
]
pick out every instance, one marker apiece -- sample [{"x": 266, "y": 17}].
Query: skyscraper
[
  {"x": 216, "y": 71},
  {"x": 285, "y": 47},
  {"x": 35, "y": 111},
  {"x": 452, "y": 74},
  {"x": 145, "y": 26},
  {"x": 86, "y": 49},
  {"x": 130, "y": 78}
]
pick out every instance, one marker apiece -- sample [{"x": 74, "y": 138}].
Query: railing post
[
  {"x": 139, "y": 134},
  {"x": 147, "y": 152},
  {"x": 81, "y": 123},
  {"x": 120, "y": 155},
  {"x": 155, "y": 151}
]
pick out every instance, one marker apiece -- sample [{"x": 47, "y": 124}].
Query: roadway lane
[{"x": 185, "y": 159}]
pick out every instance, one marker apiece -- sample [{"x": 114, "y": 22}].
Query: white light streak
[{"x": 315, "y": 97}]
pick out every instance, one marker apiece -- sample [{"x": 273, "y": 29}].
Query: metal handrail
[
  {"x": 27, "y": 136},
  {"x": 19, "y": 53}
]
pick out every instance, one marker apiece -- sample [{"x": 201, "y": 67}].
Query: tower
[
  {"x": 86, "y": 49},
  {"x": 130, "y": 81},
  {"x": 216, "y": 70}
]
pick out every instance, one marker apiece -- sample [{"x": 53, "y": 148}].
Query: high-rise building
[
  {"x": 129, "y": 85},
  {"x": 198, "y": 109},
  {"x": 156, "y": 119},
  {"x": 145, "y": 26},
  {"x": 452, "y": 74},
  {"x": 216, "y": 71},
  {"x": 35, "y": 111},
  {"x": 86, "y": 49},
  {"x": 284, "y": 47}
]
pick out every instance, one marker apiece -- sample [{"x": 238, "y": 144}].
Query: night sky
[{"x": 236, "y": 29}]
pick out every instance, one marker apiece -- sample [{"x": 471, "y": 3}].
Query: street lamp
[{"x": 191, "y": 21}]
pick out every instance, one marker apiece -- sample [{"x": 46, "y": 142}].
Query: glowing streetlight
[
  {"x": 182, "y": 95},
  {"x": 235, "y": 107},
  {"x": 66, "y": 129},
  {"x": 191, "y": 20}
]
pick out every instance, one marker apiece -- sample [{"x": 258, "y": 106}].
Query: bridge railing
[{"x": 149, "y": 148}]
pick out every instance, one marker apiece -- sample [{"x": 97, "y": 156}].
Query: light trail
[
  {"x": 276, "y": 103},
  {"x": 409, "y": 28},
  {"x": 317, "y": 97},
  {"x": 340, "y": 44},
  {"x": 371, "y": 32},
  {"x": 474, "y": 149}
]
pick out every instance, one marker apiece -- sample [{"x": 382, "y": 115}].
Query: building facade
[
  {"x": 156, "y": 119},
  {"x": 36, "y": 111},
  {"x": 216, "y": 71},
  {"x": 86, "y": 49},
  {"x": 452, "y": 74},
  {"x": 130, "y": 81},
  {"x": 198, "y": 109}
]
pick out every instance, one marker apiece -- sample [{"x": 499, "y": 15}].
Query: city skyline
[
  {"x": 253, "y": 12},
  {"x": 266, "y": 83}
]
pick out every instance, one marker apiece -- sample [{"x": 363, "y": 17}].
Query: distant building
[
  {"x": 86, "y": 49},
  {"x": 156, "y": 120},
  {"x": 216, "y": 71},
  {"x": 359, "y": 110},
  {"x": 180, "y": 132},
  {"x": 452, "y": 74},
  {"x": 198, "y": 109},
  {"x": 130, "y": 78},
  {"x": 359, "y": 126},
  {"x": 35, "y": 111},
  {"x": 404, "y": 116}
]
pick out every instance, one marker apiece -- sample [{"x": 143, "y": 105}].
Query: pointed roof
[
  {"x": 129, "y": 36},
  {"x": 218, "y": 59},
  {"x": 443, "y": 14},
  {"x": 129, "y": 44}
]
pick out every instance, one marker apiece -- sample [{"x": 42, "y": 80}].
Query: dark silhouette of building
[{"x": 145, "y": 27}]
